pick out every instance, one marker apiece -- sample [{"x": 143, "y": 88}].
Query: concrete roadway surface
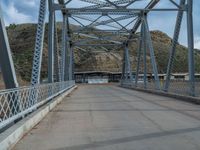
[{"x": 107, "y": 117}]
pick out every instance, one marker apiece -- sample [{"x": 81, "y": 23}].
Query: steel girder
[
  {"x": 66, "y": 46},
  {"x": 57, "y": 69},
  {"x": 93, "y": 1},
  {"x": 6, "y": 61},
  {"x": 96, "y": 23},
  {"x": 190, "y": 47},
  {"x": 139, "y": 52},
  {"x": 127, "y": 70},
  {"x": 109, "y": 39},
  {"x": 76, "y": 11},
  {"x": 68, "y": 51},
  {"x": 71, "y": 63},
  {"x": 51, "y": 37},
  {"x": 64, "y": 50},
  {"x": 37, "y": 59},
  {"x": 152, "y": 55},
  {"x": 121, "y": 11},
  {"x": 89, "y": 19},
  {"x": 107, "y": 4},
  {"x": 173, "y": 46}
]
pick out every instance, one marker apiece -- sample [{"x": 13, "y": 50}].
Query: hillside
[{"x": 22, "y": 38}]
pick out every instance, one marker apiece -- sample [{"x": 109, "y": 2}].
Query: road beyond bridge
[{"x": 99, "y": 117}]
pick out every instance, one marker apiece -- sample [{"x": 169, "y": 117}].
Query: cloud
[
  {"x": 30, "y": 3},
  {"x": 13, "y": 15}
]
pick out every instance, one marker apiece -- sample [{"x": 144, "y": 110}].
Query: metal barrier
[
  {"x": 16, "y": 103},
  {"x": 180, "y": 87}
]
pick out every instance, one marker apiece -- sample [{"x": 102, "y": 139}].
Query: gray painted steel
[
  {"x": 6, "y": 61},
  {"x": 51, "y": 38},
  {"x": 190, "y": 46},
  {"x": 37, "y": 60},
  {"x": 174, "y": 44}
]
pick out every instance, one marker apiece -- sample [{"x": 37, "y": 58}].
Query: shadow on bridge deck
[{"x": 100, "y": 117}]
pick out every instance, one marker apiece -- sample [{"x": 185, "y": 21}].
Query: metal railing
[
  {"x": 180, "y": 87},
  {"x": 16, "y": 103}
]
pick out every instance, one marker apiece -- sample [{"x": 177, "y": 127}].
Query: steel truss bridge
[{"x": 99, "y": 24}]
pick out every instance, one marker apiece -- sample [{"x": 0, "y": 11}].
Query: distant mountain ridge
[{"x": 22, "y": 41}]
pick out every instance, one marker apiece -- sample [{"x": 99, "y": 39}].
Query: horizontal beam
[
  {"x": 99, "y": 38},
  {"x": 78, "y": 11},
  {"x": 106, "y": 4},
  {"x": 115, "y": 32},
  {"x": 97, "y": 44}
]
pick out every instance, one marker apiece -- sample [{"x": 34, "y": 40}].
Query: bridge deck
[{"x": 98, "y": 117}]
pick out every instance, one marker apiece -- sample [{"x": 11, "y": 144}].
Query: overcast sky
[{"x": 26, "y": 11}]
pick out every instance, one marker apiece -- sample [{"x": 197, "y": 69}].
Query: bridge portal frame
[{"x": 140, "y": 16}]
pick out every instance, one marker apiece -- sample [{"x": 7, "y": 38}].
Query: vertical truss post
[
  {"x": 173, "y": 46},
  {"x": 7, "y": 68},
  {"x": 127, "y": 65},
  {"x": 6, "y": 61},
  {"x": 68, "y": 51},
  {"x": 63, "y": 52},
  {"x": 139, "y": 54},
  {"x": 123, "y": 67},
  {"x": 56, "y": 55},
  {"x": 71, "y": 64},
  {"x": 144, "y": 55},
  {"x": 190, "y": 46},
  {"x": 37, "y": 59},
  {"x": 51, "y": 42},
  {"x": 152, "y": 55}
]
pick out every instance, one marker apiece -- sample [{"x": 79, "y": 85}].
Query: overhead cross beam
[{"x": 107, "y": 4}]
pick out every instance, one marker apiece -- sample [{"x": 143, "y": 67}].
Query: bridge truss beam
[
  {"x": 6, "y": 61},
  {"x": 103, "y": 17},
  {"x": 111, "y": 14}
]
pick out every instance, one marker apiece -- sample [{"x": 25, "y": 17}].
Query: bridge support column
[
  {"x": 190, "y": 47},
  {"x": 6, "y": 61},
  {"x": 173, "y": 46},
  {"x": 63, "y": 53},
  {"x": 37, "y": 59},
  {"x": 152, "y": 55},
  {"x": 51, "y": 43},
  {"x": 142, "y": 48},
  {"x": 57, "y": 72},
  {"x": 144, "y": 55},
  {"x": 139, "y": 54},
  {"x": 71, "y": 64},
  {"x": 127, "y": 70},
  {"x": 68, "y": 51}
]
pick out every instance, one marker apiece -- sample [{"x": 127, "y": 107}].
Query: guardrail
[
  {"x": 16, "y": 103},
  {"x": 180, "y": 87}
]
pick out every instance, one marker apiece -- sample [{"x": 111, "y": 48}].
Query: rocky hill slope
[{"x": 22, "y": 38}]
